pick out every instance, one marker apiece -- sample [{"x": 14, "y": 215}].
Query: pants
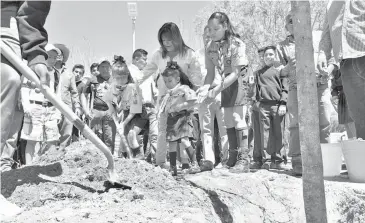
[
  {"x": 153, "y": 126},
  {"x": 324, "y": 106},
  {"x": 11, "y": 143},
  {"x": 207, "y": 113},
  {"x": 105, "y": 127},
  {"x": 10, "y": 84},
  {"x": 271, "y": 122},
  {"x": 65, "y": 128},
  {"x": 353, "y": 81},
  {"x": 258, "y": 151}
]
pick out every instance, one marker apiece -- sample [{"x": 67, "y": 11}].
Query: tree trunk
[{"x": 313, "y": 185}]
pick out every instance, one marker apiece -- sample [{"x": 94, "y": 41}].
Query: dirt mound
[
  {"x": 266, "y": 196},
  {"x": 70, "y": 187}
]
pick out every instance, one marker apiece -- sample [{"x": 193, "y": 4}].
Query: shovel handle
[{"x": 65, "y": 110}]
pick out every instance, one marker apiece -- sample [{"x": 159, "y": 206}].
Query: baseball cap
[
  {"x": 65, "y": 51},
  {"x": 50, "y": 47}
]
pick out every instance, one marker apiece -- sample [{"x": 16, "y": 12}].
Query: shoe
[
  {"x": 279, "y": 166},
  {"x": 296, "y": 163},
  {"x": 164, "y": 166},
  {"x": 185, "y": 166},
  {"x": 138, "y": 153},
  {"x": 173, "y": 170},
  {"x": 256, "y": 165},
  {"x": 242, "y": 164},
  {"x": 218, "y": 166},
  {"x": 265, "y": 166},
  {"x": 194, "y": 168},
  {"x": 206, "y": 165}
]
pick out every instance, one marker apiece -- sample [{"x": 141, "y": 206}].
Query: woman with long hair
[
  {"x": 172, "y": 48},
  {"x": 226, "y": 54}
]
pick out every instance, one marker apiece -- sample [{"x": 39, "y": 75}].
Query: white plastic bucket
[
  {"x": 332, "y": 159},
  {"x": 336, "y": 137},
  {"x": 354, "y": 153}
]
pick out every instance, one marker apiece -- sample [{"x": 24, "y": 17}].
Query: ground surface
[{"x": 69, "y": 187}]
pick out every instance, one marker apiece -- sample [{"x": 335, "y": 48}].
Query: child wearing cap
[
  {"x": 178, "y": 104},
  {"x": 40, "y": 116},
  {"x": 124, "y": 98}
]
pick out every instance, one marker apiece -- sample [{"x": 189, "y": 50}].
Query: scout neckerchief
[
  {"x": 221, "y": 55},
  {"x": 166, "y": 98}
]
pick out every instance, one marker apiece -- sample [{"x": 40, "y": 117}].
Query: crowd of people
[{"x": 177, "y": 104}]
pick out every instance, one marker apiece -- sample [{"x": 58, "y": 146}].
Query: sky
[{"x": 96, "y": 29}]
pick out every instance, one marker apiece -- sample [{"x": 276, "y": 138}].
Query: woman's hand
[{"x": 282, "y": 110}]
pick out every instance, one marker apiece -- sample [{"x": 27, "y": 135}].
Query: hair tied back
[{"x": 118, "y": 59}]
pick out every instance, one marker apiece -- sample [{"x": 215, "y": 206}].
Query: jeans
[
  {"x": 353, "y": 81},
  {"x": 207, "y": 113},
  {"x": 65, "y": 128},
  {"x": 271, "y": 122},
  {"x": 153, "y": 126},
  {"x": 11, "y": 143},
  {"x": 106, "y": 127},
  {"x": 324, "y": 107},
  {"x": 10, "y": 84}
]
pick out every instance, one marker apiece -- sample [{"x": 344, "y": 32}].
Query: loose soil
[{"x": 70, "y": 187}]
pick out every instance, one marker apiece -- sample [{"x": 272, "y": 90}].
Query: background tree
[
  {"x": 313, "y": 185},
  {"x": 259, "y": 23}
]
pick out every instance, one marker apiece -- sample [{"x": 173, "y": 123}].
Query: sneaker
[
  {"x": 206, "y": 165},
  {"x": 164, "y": 166},
  {"x": 256, "y": 165},
  {"x": 218, "y": 166},
  {"x": 173, "y": 171},
  {"x": 297, "y": 165},
  {"x": 194, "y": 168},
  {"x": 297, "y": 170},
  {"x": 279, "y": 166},
  {"x": 242, "y": 166}
]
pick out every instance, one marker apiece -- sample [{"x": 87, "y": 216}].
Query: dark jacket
[
  {"x": 31, "y": 17},
  {"x": 271, "y": 86}
]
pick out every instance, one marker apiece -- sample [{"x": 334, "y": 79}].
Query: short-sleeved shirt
[
  {"x": 234, "y": 51},
  {"x": 129, "y": 99},
  {"x": 101, "y": 86},
  {"x": 180, "y": 94}
]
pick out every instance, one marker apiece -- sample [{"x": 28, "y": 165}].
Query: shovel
[{"x": 66, "y": 111}]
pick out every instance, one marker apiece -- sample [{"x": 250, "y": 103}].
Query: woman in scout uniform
[
  {"x": 178, "y": 104},
  {"x": 124, "y": 98},
  {"x": 226, "y": 52},
  {"x": 173, "y": 48}
]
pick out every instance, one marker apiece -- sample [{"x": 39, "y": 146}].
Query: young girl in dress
[
  {"x": 226, "y": 53},
  {"x": 172, "y": 48},
  {"x": 125, "y": 104},
  {"x": 178, "y": 105}
]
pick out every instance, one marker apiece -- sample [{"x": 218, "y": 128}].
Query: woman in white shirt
[{"x": 174, "y": 49}]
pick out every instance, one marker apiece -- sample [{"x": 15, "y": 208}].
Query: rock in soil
[{"x": 69, "y": 186}]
